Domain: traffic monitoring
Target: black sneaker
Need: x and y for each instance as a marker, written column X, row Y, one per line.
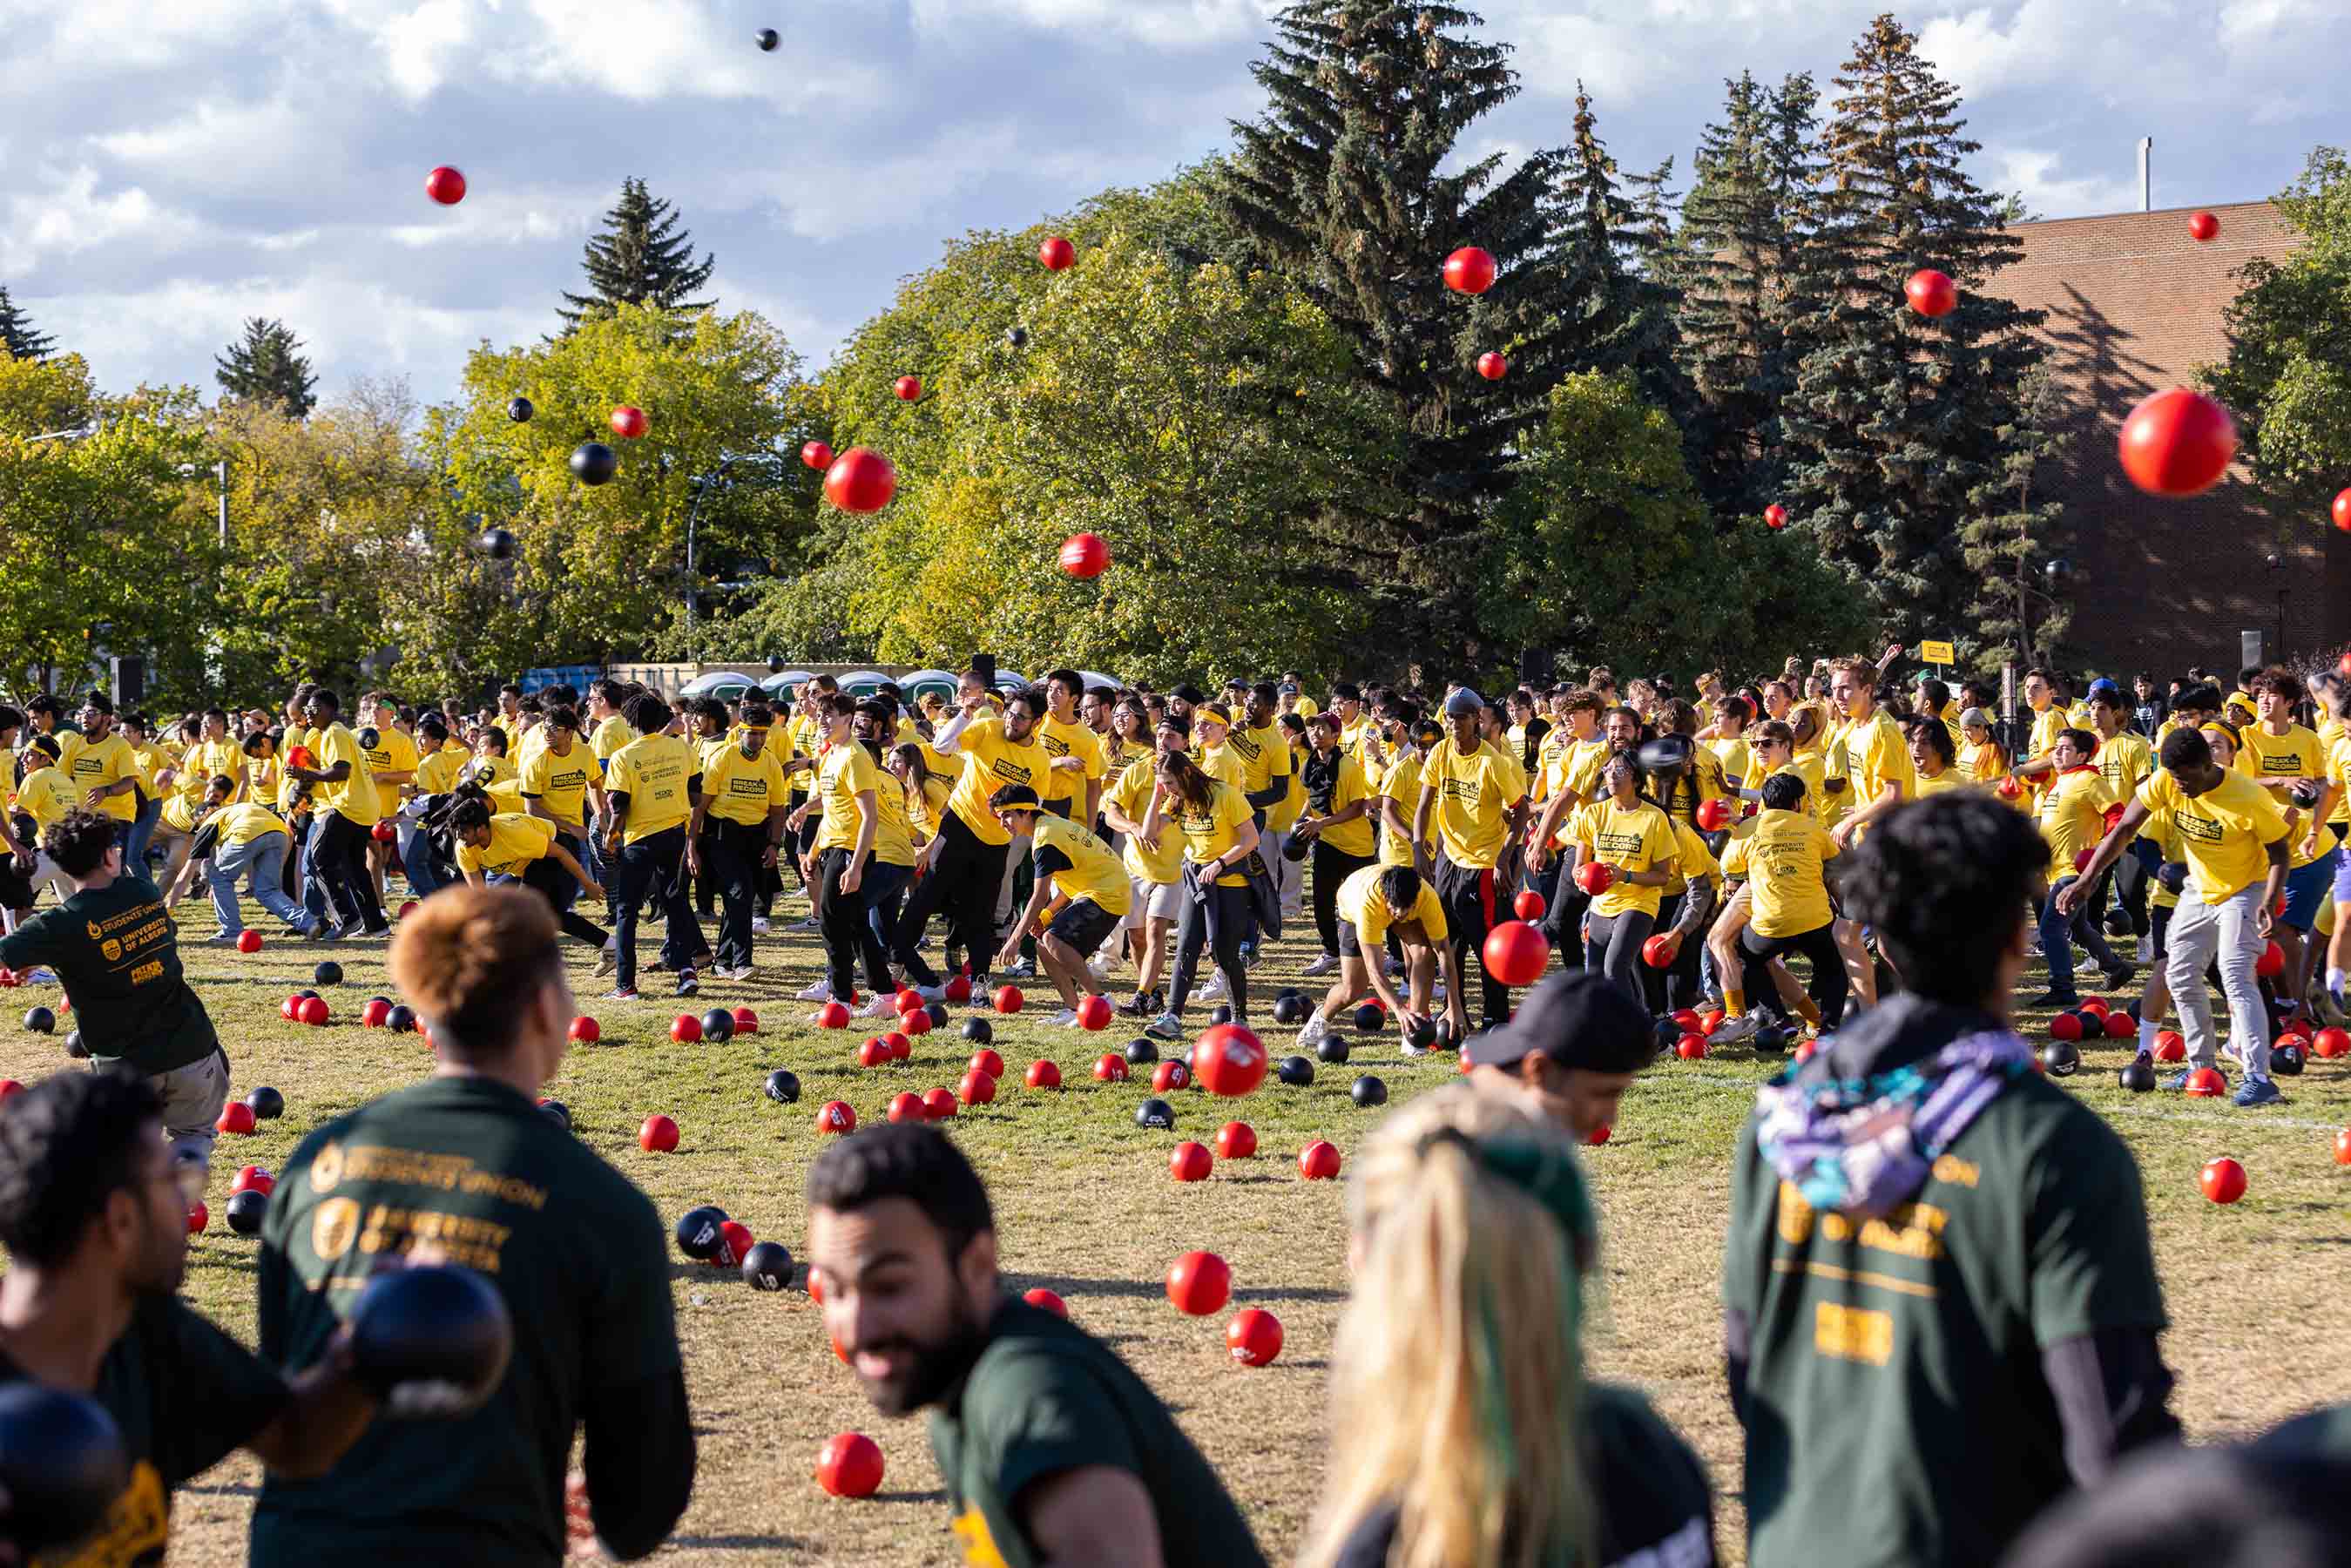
column 382, row 930
column 2052, row 1000
column 2120, row 979
column 687, row 982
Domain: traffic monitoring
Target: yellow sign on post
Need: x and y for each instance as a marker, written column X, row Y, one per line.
column 1937, row 652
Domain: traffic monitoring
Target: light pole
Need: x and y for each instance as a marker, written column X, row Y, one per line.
column 220, row 470
column 702, row 486
column 2277, row 566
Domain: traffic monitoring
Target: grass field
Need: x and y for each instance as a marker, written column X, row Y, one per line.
column 1086, row 1207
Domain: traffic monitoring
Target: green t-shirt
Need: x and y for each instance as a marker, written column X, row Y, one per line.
column 1897, row 1408
column 1046, row 1396
column 119, row 955
column 474, row 1169
column 185, row 1394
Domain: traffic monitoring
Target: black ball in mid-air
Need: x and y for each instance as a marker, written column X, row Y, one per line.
column 432, row 1339
column 783, row 1086
column 718, row 1024
column 697, row 1231
column 768, row 1266
column 498, row 544
column 979, row 1031
column 1156, row 1113
column 244, row 1211
column 1368, row 1092
column 41, row 1020
column 267, row 1103
column 2058, row 570
column 328, row 973
column 1141, row 1052
column 1016, row 337
column 2118, row 922
column 63, row 1463
column 1295, row 1071
column 519, row 409
column 2138, row 1077
column 1332, row 1048
column 593, row 463
column 768, row 38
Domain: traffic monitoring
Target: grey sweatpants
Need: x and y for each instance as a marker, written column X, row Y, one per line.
column 2228, row 934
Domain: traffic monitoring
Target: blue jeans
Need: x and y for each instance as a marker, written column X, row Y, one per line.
column 143, row 829
column 416, row 860
column 262, row 862
column 2058, row 933
column 314, row 887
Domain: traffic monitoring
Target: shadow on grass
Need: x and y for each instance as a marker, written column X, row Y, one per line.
column 1074, row 1288
column 225, row 1488
column 744, row 1543
column 934, row 1496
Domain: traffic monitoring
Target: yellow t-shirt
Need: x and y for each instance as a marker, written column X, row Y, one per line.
column 1948, row 780
column 560, row 783
column 1980, row 763
column 287, row 783
column 1070, row 739
column 1354, row 838
column 152, row 760
column 355, row 796
column 91, row 765
column 516, row 839
column 45, row 796
column 200, row 763
column 894, row 840
column 1211, row 831
column 2073, row 816
column 2162, row 829
column 438, row 774
column 1875, row 755
column 2296, row 754
column 1636, row 839
column 1402, row 784
column 1735, row 757
column 612, row 734
column 801, row 730
column 242, row 823
column 265, row 775
column 847, row 771
column 1223, row 764
column 1130, row 793
column 1360, row 905
column 1080, row 866
column 2330, row 736
column 989, row 762
column 2223, row 832
column 1475, row 791
column 393, row 752
column 1691, row 858
column 745, row 789
column 1265, row 756
column 653, row 771
column 1783, row 862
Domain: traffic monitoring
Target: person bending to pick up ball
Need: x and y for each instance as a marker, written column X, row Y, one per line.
column 1053, row 1450
column 1373, row 905
column 464, row 1167
column 1474, row 1232
column 1940, row 1306
column 2235, row 838
column 1089, row 879
column 95, row 1216
column 529, row 850
column 119, row 955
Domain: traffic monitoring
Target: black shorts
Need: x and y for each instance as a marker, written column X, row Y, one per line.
column 1350, row 945
column 1083, row 925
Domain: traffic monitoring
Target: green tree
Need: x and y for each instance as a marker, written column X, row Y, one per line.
column 267, row 366
column 2019, row 612
column 600, row 571
column 18, row 337
column 1349, row 185
column 643, row 258
column 2288, row 375
column 1604, row 553
column 1744, row 226
column 1892, row 419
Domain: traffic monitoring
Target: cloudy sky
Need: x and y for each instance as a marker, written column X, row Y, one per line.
column 170, row 167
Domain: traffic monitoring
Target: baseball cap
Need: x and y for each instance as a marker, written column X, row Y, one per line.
column 1974, row 717
column 1289, row 688
column 1578, row 1020
column 1463, row 702
column 2106, row 687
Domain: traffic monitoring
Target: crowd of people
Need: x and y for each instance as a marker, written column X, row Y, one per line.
column 1940, row 1308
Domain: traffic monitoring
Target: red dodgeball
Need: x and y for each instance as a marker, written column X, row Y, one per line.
column 254, row 1179
column 939, row 1104
column 1713, row 816
column 584, row 1030
column 1656, row 952
column 1057, row 254
column 914, row 1023
column 874, row 1052
column 850, row 1464
column 1199, row 1283
column 976, row 1088
column 198, row 1217
column 1254, row 1336
column 832, row 1015
column 235, row 1118
column 658, row 1136
column 907, row 1001
column 908, row 388
column 1111, row 1067
column 248, row 941
column 1598, row 1136
column 2272, row 963
column 900, row 1048
column 1931, row 293
column 1045, row 1300
column 1043, row 1075
column 2177, row 442
column 1230, row 1060
column 1775, row 517
column 2343, row 1147
column 1318, row 1161
column 1529, row 906
column 836, row 1117
column 1236, row 1140
column 861, row 480
column 1469, row 270
column 314, row 1010
column 2223, row 1180
column 908, row 1106
column 1169, row 1076
column 1007, row 999
column 629, row 421
column 2066, row 1025
column 2170, row 1047
column 816, row 454
column 1595, row 877
column 746, row 1021
column 2120, row 1026
column 2203, row 227
column 1084, row 555
column 1690, row 1047
column 1190, row 1162
column 958, row 989
column 1093, row 1014
column 2206, row 1083
column 984, row 1060
column 446, row 185
column 2341, row 512
column 686, row 1029
column 2331, row 1043
column 1515, row 952
column 734, row 1243
column 1492, row 366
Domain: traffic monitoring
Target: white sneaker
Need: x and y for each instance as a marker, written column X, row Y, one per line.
column 931, row 993
column 1730, row 1031
column 809, row 924
column 820, row 992
column 606, row 962
column 1328, row 963
column 740, row 972
column 877, row 1008
column 759, row 926
column 1066, row 1018
column 1215, row 991
column 1313, row 1034
column 2146, row 950
column 1099, row 970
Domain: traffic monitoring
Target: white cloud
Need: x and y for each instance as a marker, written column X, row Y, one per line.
column 1162, row 24
column 2032, row 174
column 70, row 216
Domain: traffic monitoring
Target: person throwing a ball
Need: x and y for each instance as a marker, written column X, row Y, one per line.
column 1052, row 1449
column 465, row 1168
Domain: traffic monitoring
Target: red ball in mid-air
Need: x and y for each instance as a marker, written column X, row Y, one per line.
column 1199, row 1283
column 1190, row 1162
column 1085, row 555
column 836, row 1117
column 1515, row 952
column 658, row 1136
column 1528, row 906
column 1469, row 270
column 584, row 1030
column 1229, row 1060
column 629, row 421
column 2223, row 1180
column 1057, row 254
column 1713, row 816
column 1254, row 1336
column 1775, row 517
column 1236, row 1140
column 861, row 480
column 2177, row 442
column 1009, row 999
column 1931, row 293
column 2341, row 512
column 248, row 941
column 446, row 185
column 1318, row 1161
column 850, row 1464
column 2203, row 227
column 816, row 454
column 1043, row 1075
column 1492, row 366
column 908, row 388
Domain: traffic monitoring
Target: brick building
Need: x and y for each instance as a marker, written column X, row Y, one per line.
column 2135, row 306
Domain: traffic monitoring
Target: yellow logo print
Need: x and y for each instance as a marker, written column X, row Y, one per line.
column 327, row 1168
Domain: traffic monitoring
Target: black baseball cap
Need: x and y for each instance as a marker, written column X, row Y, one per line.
column 1578, row 1020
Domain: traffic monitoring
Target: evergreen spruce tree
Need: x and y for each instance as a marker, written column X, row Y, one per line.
column 1741, row 266
column 2019, row 613
column 267, row 366
column 1892, row 423
column 641, row 258
column 1337, row 187
column 18, row 339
